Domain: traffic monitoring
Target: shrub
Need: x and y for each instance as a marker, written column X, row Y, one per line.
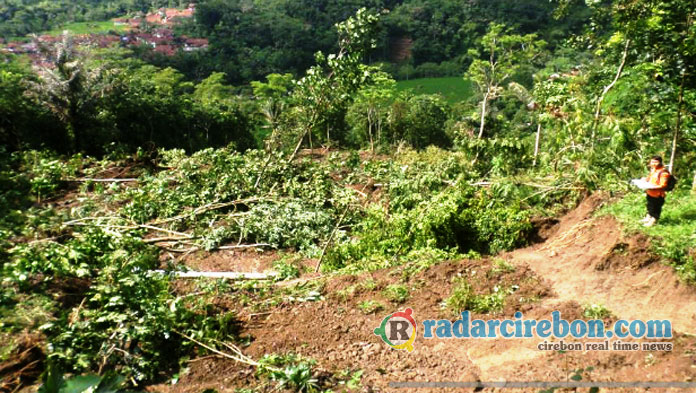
column 396, row 293
column 370, row 306
column 463, row 298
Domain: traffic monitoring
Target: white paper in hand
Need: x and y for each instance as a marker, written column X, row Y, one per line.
column 642, row 184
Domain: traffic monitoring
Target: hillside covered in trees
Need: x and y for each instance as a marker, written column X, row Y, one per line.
column 241, row 218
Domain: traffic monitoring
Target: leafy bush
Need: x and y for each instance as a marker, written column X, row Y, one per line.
column 425, row 122
column 596, row 311
column 128, row 317
column 463, row 298
column 290, row 371
column 458, row 218
column 285, row 270
column 396, row 293
column 370, row 306
column 288, row 225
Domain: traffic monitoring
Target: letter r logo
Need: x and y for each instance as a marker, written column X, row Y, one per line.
column 398, row 330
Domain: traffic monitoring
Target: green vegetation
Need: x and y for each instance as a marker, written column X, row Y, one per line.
column 93, row 27
column 463, row 297
column 55, row 382
column 596, row 311
column 501, row 266
column 22, row 17
column 674, row 238
column 289, row 371
column 454, row 89
column 112, row 169
column 370, row 306
column 396, row 293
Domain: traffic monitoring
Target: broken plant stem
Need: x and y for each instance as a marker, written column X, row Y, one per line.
column 240, row 357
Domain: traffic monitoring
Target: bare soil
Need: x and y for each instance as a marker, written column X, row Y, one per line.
column 579, row 260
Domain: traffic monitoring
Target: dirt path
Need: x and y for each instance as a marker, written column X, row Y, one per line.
column 588, row 260
column 585, row 260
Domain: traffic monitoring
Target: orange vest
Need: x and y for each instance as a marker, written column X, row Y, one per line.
column 658, row 177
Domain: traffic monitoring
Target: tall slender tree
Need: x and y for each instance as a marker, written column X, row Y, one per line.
column 69, row 88
column 501, row 57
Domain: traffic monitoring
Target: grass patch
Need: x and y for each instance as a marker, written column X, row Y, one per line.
column 453, row 89
column 596, row 311
column 501, row 266
column 89, row 28
column 370, row 306
column 464, row 298
column 674, row 238
column 396, row 293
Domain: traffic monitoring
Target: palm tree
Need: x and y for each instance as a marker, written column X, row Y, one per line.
column 68, row 87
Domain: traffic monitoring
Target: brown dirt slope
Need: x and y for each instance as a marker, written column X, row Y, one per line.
column 586, row 260
column 589, row 259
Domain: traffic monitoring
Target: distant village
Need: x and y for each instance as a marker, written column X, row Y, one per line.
column 156, row 30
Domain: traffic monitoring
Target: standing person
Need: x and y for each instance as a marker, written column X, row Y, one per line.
column 658, row 177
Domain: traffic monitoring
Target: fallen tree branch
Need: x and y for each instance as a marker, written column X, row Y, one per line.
column 205, row 208
column 79, row 220
column 228, row 275
column 104, row 180
column 154, row 228
column 184, row 250
column 166, row 239
column 192, row 249
column 243, row 246
column 143, row 226
column 238, row 355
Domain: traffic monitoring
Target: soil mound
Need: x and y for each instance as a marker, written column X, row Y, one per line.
column 581, row 260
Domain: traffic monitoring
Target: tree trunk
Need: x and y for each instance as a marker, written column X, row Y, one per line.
column 678, row 125
column 297, row 147
column 378, row 127
column 536, row 144
column 483, row 113
column 369, row 130
column 598, row 110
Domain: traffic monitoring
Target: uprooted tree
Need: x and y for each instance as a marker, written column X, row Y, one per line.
column 324, row 93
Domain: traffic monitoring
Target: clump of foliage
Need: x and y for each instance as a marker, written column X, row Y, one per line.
column 290, row 371
column 128, row 318
column 397, row 293
column 54, row 381
column 459, row 218
column 673, row 238
column 463, row 297
column 596, row 311
column 370, row 306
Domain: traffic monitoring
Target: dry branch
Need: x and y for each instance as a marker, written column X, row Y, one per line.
column 238, row 355
column 205, row 208
column 243, row 246
column 228, row 275
column 104, row 180
column 166, row 239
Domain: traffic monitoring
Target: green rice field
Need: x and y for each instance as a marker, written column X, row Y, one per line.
column 453, row 89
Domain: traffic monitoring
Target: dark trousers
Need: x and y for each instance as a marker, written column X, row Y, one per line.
column 655, row 206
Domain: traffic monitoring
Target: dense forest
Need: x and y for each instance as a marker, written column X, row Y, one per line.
column 288, row 140
column 250, row 40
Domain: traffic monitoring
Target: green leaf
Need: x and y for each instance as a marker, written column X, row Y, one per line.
column 81, row 383
column 53, row 380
